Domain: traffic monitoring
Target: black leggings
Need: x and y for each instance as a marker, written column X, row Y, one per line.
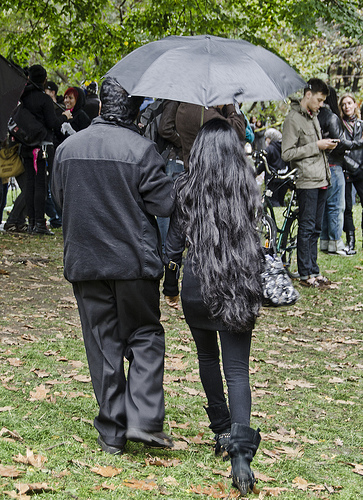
column 235, row 358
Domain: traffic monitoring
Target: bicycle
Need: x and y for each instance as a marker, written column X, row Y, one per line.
column 279, row 239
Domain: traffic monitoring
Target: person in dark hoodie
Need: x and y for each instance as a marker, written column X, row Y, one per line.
column 38, row 159
column 112, row 257
column 74, row 100
column 93, row 105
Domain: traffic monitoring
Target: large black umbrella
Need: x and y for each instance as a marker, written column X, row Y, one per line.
column 206, row 70
column 12, row 83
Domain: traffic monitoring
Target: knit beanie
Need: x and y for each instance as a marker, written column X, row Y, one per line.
column 37, row 74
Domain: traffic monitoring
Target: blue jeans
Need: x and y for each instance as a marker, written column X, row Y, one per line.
column 311, row 207
column 333, row 218
column 173, row 169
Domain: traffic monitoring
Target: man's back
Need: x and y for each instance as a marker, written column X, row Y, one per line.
column 111, row 182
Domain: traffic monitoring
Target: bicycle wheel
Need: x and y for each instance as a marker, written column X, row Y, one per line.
column 288, row 247
column 267, row 231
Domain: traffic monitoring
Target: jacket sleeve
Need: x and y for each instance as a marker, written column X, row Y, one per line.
column 174, row 248
column 291, row 148
column 236, row 120
column 336, row 131
column 155, row 187
column 57, row 181
column 167, row 128
column 50, row 118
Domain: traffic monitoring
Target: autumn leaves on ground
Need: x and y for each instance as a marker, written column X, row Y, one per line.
column 306, row 369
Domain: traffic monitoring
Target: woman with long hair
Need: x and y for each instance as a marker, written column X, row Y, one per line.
column 353, row 131
column 217, row 207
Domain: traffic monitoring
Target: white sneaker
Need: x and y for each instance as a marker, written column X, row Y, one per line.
column 345, row 252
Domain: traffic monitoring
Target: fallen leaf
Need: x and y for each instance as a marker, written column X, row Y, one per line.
column 263, row 477
column 13, row 434
column 336, row 380
column 15, row 362
column 9, row 471
column 82, row 378
column 273, row 492
column 32, row 487
column 39, row 393
column 6, row 408
column 171, row 481
column 358, row 468
column 162, row 462
column 30, row 459
column 180, row 445
column 300, row 483
column 77, row 438
column 41, row 373
column 140, row 485
column 106, row 471
column 291, row 384
column 290, row 452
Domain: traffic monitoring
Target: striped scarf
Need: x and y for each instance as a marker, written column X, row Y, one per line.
column 349, row 124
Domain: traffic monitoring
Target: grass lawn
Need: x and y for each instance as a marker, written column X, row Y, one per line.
column 306, row 378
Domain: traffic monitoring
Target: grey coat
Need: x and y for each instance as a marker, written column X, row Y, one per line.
column 110, row 183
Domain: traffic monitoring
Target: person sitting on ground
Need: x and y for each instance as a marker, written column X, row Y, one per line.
column 217, row 202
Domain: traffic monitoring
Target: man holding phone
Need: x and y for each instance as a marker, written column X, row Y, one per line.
column 304, row 147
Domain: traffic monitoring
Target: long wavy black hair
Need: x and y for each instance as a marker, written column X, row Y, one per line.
column 218, row 203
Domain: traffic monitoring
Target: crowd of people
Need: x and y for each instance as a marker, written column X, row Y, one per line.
column 34, row 211
column 129, row 211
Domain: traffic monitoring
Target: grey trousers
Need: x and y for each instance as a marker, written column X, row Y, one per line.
column 121, row 320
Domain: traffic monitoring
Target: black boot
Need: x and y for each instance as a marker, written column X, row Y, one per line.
column 40, row 227
column 350, row 243
column 242, row 448
column 220, row 423
column 31, row 226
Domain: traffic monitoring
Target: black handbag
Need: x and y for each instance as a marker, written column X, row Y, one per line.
column 349, row 165
column 278, row 289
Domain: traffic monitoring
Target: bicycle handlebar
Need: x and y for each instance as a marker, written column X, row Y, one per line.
column 261, row 156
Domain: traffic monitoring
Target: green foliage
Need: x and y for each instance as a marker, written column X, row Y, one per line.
column 82, row 39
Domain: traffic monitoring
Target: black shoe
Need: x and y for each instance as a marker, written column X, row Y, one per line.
column 10, row 228
column 153, row 439
column 41, row 228
column 113, row 450
column 15, row 228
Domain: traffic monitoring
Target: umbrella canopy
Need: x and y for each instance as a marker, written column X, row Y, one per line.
column 206, row 70
column 12, row 83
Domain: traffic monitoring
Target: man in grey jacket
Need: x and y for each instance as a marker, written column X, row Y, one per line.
column 303, row 146
column 111, row 183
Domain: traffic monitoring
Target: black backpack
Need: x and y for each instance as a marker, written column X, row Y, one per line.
column 149, row 121
column 25, row 128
